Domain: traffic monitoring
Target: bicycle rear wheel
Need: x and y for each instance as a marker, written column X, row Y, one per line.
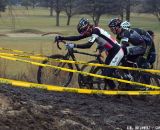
column 154, row 80
column 101, row 83
column 145, row 78
column 52, row 76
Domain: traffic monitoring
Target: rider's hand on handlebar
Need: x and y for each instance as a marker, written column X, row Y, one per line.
column 58, row 38
column 70, row 45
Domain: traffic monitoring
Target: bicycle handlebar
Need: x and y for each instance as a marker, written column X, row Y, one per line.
column 75, row 51
column 58, row 44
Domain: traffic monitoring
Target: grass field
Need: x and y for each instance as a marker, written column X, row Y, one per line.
column 38, row 20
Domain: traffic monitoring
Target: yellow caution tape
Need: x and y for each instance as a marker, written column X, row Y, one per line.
column 17, row 51
column 74, row 90
column 37, row 57
column 33, row 57
column 80, row 72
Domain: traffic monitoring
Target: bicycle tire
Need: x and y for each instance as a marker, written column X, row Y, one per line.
column 153, row 80
column 83, row 80
column 139, row 77
column 64, row 79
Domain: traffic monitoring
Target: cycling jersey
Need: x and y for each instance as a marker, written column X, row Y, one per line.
column 132, row 42
column 101, row 37
column 130, row 36
column 150, row 47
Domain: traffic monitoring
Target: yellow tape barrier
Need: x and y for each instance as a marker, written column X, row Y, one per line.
column 40, row 57
column 80, row 72
column 74, row 90
column 16, row 51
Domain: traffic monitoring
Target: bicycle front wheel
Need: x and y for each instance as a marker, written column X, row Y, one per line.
column 53, row 76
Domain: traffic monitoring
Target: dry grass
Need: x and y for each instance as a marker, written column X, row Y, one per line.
column 38, row 21
column 3, row 68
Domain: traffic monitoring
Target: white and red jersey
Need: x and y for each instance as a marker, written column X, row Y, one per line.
column 103, row 39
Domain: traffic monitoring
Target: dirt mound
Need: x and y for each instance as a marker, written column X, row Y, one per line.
column 42, row 110
column 29, row 31
column 3, row 35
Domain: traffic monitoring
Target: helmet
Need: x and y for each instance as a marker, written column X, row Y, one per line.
column 82, row 25
column 116, row 22
column 125, row 25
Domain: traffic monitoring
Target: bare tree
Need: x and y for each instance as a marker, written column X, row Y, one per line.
column 57, row 10
column 12, row 16
column 124, row 7
column 33, row 3
column 95, row 8
column 2, row 6
column 128, row 9
column 153, row 7
column 69, row 8
column 51, row 5
column 57, row 6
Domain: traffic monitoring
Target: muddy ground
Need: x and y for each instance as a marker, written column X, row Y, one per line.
column 34, row 109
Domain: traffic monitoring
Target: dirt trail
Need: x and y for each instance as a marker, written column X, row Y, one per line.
column 33, row 109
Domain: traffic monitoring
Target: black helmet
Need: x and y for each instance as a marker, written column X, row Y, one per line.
column 82, row 25
column 116, row 22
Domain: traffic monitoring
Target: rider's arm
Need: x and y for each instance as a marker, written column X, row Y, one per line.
column 73, row 38
column 124, row 42
column 89, row 43
column 85, row 45
column 124, row 38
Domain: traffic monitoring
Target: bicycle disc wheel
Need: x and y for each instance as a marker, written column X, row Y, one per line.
column 52, row 76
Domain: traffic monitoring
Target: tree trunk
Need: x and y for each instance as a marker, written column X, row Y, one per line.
column 13, row 23
column 33, row 4
column 51, row 11
column 57, row 18
column 68, row 20
column 51, row 8
column 96, row 21
column 122, row 14
column 158, row 16
column 57, row 12
column 128, row 10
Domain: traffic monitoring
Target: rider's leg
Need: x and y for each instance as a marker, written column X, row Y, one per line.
column 114, row 57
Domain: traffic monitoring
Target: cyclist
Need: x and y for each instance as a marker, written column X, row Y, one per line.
column 104, row 41
column 132, row 42
column 148, row 37
column 126, row 33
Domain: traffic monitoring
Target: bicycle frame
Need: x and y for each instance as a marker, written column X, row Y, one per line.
column 71, row 53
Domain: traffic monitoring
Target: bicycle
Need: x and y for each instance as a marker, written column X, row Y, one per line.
column 132, row 75
column 62, row 78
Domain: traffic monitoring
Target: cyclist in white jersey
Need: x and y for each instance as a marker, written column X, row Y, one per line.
column 104, row 41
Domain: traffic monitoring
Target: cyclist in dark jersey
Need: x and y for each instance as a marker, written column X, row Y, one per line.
column 148, row 37
column 103, row 40
column 149, row 56
column 132, row 43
